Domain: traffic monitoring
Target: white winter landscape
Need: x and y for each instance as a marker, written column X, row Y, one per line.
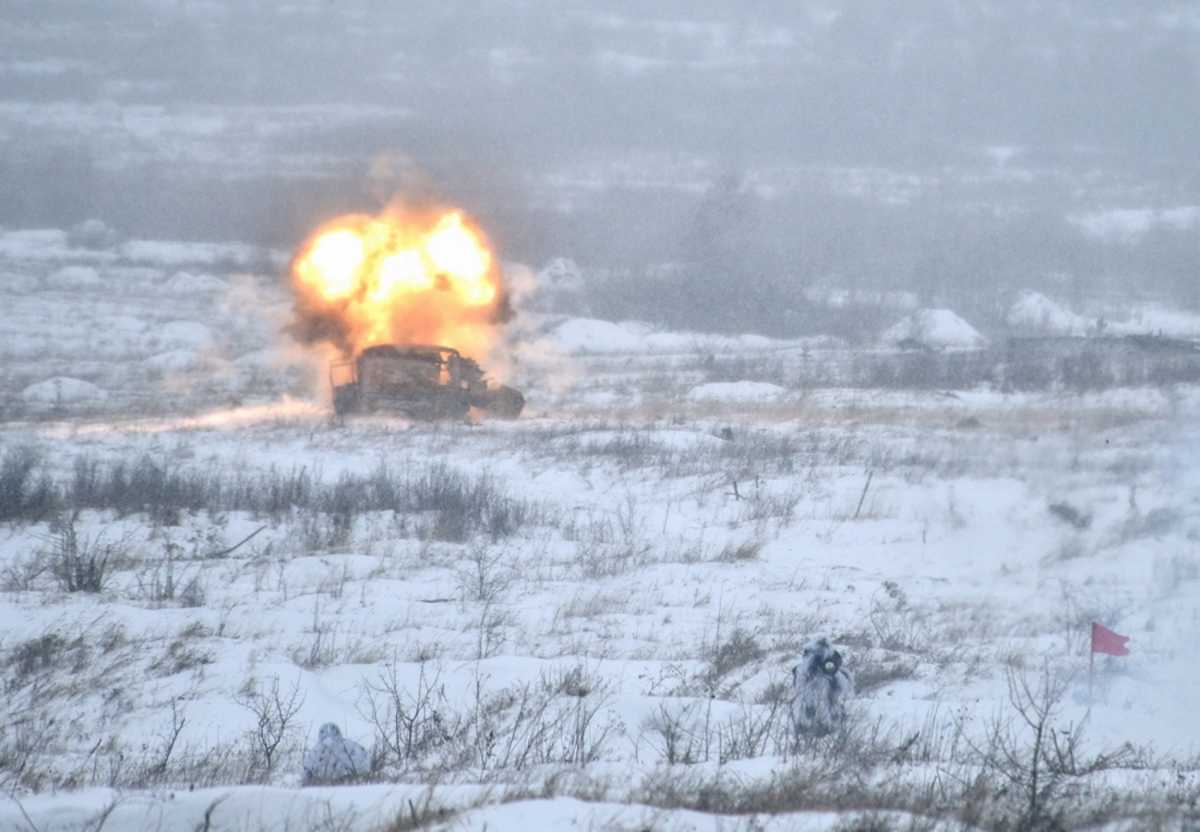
column 588, row 616
column 871, row 323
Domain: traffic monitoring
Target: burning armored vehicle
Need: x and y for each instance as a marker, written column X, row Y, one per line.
column 420, row 382
column 406, row 296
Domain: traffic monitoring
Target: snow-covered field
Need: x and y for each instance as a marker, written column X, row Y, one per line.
column 586, row 618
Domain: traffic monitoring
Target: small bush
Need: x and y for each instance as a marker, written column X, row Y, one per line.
column 875, row 675
column 458, row 505
column 23, row 494
column 78, row 564
column 36, row 654
column 739, row 650
column 45, row 652
column 737, row 552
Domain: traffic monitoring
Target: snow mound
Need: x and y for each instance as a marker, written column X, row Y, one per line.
column 186, row 283
column 92, row 234
column 181, row 335
column 935, row 328
column 71, row 278
column 43, row 244
column 17, row 284
column 178, row 253
column 62, row 390
column 175, row 361
column 737, row 391
column 1127, row 226
column 1033, row 311
column 588, row 335
column 1153, row 319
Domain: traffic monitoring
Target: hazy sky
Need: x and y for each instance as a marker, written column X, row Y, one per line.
column 595, row 129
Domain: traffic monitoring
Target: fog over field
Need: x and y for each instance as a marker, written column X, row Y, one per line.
column 870, row 322
column 960, row 150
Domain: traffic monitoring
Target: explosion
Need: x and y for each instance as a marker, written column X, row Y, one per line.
column 398, row 278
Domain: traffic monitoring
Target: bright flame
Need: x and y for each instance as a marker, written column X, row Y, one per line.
column 333, row 263
column 398, row 279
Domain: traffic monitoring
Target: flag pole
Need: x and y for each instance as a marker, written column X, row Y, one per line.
column 1091, row 665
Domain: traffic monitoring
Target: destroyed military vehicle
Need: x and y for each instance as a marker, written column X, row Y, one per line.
column 420, row 382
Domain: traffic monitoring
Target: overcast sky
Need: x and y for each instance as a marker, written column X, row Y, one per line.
column 596, row 129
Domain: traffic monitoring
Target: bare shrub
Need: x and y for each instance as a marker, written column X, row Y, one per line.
column 275, row 712
column 171, row 579
column 897, row 625
column 119, row 766
column 760, row 503
column 746, row 550
column 490, row 629
column 426, row 813
column 78, row 564
column 409, row 724
column 181, row 655
column 485, row 577
column 23, row 494
column 727, row 655
column 752, row 732
column 22, row 572
column 462, row 505
column 1071, row 515
column 740, row 367
column 588, row 695
column 1036, row 756
column 812, row 784
column 612, row 543
column 596, row 604
column 459, row 504
column 606, row 560
column 549, row 721
column 23, row 743
column 322, row 649
column 630, row 449
column 676, row 732
column 553, row 720
column 169, row 739
column 870, row 676
column 145, row 486
column 45, row 652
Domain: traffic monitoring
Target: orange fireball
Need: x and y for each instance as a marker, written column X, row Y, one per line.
column 399, row 279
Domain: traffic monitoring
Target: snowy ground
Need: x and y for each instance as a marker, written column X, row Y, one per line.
column 585, row 617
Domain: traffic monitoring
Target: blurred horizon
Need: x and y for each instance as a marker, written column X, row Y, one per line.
column 961, row 151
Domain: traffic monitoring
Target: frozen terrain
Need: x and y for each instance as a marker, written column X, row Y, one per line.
column 586, row 617
column 877, row 322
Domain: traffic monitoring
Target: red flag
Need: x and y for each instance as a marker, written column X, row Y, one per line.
column 1105, row 640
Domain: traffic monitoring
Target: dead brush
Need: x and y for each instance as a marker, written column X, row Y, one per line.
column 726, row 655
column 871, row 676
column 897, row 625
column 1039, row 759
column 275, row 711
column 746, row 550
column 79, row 564
column 44, row 652
column 23, row 494
column 181, row 655
column 675, row 731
